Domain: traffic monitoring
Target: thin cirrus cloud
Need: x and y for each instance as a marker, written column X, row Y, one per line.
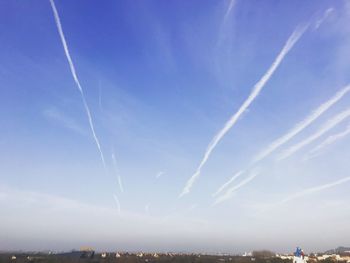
column 229, row 10
column 225, row 185
column 314, row 190
column 229, row 193
column 76, row 80
column 292, row 40
column 303, row 124
column 58, row 117
column 327, row 142
column 115, row 166
column 159, row 174
column 326, row 14
column 142, row 212
column 325, row 128
column 224, row 21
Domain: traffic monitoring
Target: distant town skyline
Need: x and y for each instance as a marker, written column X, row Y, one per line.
column 194, row 126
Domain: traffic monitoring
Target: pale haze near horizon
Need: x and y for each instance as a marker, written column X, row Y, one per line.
column 161, row 79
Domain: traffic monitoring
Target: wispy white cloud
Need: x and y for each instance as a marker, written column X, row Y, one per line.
column 117, row 202
column 326, row 14
column 115, row 166
column 120, row 184
column 159, row 174
column 331, row 139
column 229, row 193
column 225, row 185
column 75, row 77
column 226, row 16
column 295, row 36
column 326, row 127
column 302, row 125
column 59, row 117
column 229, row 10
column 308, row 120
column 314, row 190
column 222, row 49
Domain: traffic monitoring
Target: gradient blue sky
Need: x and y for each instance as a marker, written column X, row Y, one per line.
column 161, row 78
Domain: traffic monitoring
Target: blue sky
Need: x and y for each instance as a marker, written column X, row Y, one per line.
column 161, row 79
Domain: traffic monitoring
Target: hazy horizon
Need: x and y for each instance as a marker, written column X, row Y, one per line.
column 194, row 126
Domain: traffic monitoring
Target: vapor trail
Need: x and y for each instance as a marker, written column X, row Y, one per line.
column 233, row 178
column 326, row 14
column 302, row 125
column 159, row 174
column 309, row 119
column 117, row 203
column 75, row 77
column 116, row 170
column 231, row 190
column 120, row 184
column 229, row 9
column 222, row 34
column 314, row 189
column 295, row 36
column 329, row 125
column 331, row 139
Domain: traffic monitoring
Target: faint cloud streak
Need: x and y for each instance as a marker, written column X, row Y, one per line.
column 326, row 127
column 229, row 193
column 75, row 77
column 57, row 116
column 295, row 36
column 115, row 166
column 314, row 190
column 302, row 125
column 225, row 185
column 330, row 140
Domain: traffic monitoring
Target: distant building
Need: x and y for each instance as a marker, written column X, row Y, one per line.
column 286, row 257
column 333, row 256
